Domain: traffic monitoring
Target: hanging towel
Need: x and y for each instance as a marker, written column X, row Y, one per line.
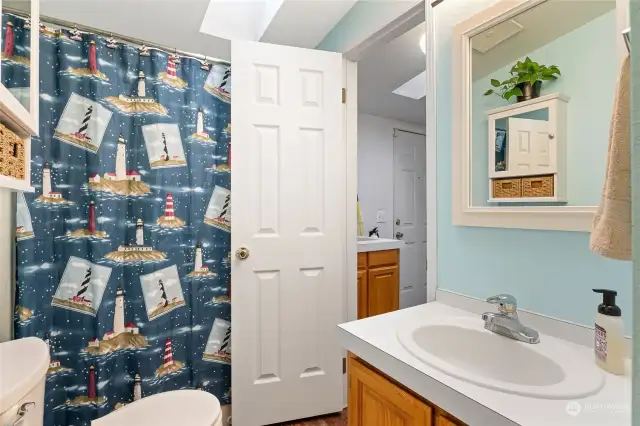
column 611, row 233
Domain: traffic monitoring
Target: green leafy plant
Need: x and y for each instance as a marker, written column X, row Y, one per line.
column 522, row 73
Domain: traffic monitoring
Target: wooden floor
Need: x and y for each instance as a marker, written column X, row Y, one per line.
column 339, row 419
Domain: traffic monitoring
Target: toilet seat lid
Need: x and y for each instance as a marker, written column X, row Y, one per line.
column 181, row 407
column 23, row 364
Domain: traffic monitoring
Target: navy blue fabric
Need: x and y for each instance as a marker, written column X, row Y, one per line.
column 46, row 258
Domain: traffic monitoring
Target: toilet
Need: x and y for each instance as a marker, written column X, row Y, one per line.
column 173, row 408
column 23, row 372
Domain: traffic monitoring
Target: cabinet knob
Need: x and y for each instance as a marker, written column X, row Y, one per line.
column 551, row 136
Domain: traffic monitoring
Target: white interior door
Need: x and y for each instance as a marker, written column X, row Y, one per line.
column 530, row 146
column 289, row 204
column 409, row 210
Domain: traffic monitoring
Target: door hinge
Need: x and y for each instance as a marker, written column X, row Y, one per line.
column 344, row 366
column 344, row 95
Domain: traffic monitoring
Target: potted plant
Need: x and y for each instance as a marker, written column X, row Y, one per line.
column 525, row 80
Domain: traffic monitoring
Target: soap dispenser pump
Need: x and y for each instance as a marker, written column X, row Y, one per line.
column 609, row 334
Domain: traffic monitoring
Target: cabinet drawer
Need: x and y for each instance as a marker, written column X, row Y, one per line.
column 537, row 186
column 382, row 258
column 507, row 188
column 362, row 260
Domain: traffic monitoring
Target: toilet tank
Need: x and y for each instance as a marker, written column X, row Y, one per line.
column 23, row 371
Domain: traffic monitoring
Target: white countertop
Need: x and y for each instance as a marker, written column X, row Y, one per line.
column 374, row 340
column 378, row 244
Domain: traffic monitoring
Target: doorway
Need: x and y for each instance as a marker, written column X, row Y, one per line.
column 391, row 147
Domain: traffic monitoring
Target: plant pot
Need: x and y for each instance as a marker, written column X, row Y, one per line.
column 529, row 91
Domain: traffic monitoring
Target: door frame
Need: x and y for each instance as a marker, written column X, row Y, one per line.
column 420, row 12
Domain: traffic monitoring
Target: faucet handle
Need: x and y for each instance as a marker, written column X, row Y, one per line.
column 507, row 304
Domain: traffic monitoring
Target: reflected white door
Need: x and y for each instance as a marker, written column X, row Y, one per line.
column 289, row 210
column 409, row 210
column 531, row 150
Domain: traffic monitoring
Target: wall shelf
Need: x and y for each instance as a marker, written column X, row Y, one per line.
column 15, row 184
column 534, row 145
column 21, row 120
column 527, row 200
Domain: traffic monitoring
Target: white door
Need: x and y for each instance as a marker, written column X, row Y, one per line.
column 530, row 147
column 409, row 210
column 289, row 211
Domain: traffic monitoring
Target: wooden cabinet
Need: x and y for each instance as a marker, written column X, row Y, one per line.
column 377, row 400
column 374, row 401
column 378, row 282
column 441, row 419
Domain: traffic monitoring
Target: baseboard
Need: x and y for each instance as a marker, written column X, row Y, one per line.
column 556, row 327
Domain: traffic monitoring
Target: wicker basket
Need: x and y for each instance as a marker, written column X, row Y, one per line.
column 11, row 154
column 507, row 188
column 537, row 186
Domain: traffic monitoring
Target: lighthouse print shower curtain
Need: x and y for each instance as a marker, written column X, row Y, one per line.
column 123, row 251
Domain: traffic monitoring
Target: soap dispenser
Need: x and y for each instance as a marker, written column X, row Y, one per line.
column 609, row 334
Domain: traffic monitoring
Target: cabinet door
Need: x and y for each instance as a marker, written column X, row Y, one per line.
column 383, row 291
column 362, row 294
column 375, row 401
column 443, row 421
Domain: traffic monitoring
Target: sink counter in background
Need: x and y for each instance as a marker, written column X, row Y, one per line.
column 366, row 244
column 375, row 341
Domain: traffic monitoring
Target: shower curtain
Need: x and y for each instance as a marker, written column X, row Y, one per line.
column 123, row 262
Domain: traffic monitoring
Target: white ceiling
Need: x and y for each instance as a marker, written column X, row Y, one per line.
column 385, row 69
column 541, row 25
column 305, row 23
column 299, row 23
column 207, row 26
column 170, row 23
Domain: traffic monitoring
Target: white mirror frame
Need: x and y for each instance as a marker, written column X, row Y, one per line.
column 556, row 218
column 23, row 121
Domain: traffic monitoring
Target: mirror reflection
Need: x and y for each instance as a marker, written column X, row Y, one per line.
column 15, row 60
column 542, row 90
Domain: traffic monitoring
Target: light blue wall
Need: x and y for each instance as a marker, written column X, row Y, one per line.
column 549, row 272
column 363, row 19
column 588, row 60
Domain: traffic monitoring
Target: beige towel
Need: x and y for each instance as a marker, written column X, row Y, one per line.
column 611, row 233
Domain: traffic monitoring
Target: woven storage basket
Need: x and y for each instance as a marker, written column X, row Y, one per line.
column 11, row 154
column 537, row 186
column 507, row 188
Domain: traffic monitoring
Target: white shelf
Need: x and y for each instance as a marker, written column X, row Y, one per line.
column 529, row 103
column 526, row 200
column 15, row 184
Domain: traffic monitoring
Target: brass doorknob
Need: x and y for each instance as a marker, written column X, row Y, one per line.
column 242, row 253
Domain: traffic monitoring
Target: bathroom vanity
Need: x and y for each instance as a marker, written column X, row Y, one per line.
column 436, row 365
column 378, row 276
column 374, row 395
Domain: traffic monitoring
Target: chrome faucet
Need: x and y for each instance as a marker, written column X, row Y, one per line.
column 505, row 322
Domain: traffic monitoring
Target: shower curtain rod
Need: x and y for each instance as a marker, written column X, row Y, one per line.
column 131, row 40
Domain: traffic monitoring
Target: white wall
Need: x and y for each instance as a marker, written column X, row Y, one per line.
column 7, row 248
column 375, row 169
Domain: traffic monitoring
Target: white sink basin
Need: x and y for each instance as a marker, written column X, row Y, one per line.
column 462, row 348
column 360, row 238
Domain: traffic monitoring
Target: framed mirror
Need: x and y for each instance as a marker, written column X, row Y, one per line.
column 534, row 87
column 19, row 64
